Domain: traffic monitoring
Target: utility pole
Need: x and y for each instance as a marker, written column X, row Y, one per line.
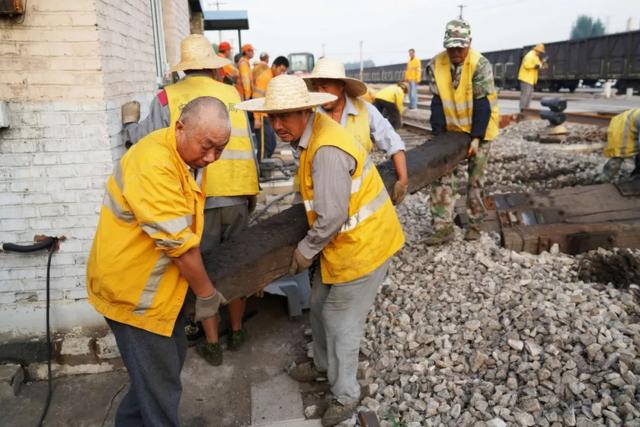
column 361, row 63
column 218, row 3
column 461, row 6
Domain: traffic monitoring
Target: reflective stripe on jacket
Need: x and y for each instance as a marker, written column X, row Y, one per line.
column 393, row 94
column 414, row 70
column 234, row 173
column 528, row 72
column 622, row 135
column 373, row 232
column 262, row 77
column 152, row 212
column 458, row 103
column 358, row 125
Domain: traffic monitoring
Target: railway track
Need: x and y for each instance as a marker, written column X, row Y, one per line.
column 586, row 118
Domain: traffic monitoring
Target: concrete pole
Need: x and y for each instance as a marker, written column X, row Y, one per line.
column 361, row 62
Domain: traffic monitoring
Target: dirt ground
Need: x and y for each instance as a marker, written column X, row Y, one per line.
column 250, row 388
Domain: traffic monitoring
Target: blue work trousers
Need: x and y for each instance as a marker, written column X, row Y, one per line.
column 413, row 95
column 154, row 363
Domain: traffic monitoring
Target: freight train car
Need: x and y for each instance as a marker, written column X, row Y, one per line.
column 608, row 57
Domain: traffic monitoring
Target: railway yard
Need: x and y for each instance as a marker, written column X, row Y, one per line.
column 465, row 334
column 192, row 206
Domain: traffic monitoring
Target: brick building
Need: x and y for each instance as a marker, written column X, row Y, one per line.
column 66, row 67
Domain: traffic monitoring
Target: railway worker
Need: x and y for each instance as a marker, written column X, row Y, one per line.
column 260, row 66
column 229, row 73
column 145, row 256
column 233, row 181
column 413, row 75
column 244, row 83
column 623, row 142
column 264, row 132
column 360, row 118
column 348, row 210
column 390, row 102
column 464, row 100
column 528, row 74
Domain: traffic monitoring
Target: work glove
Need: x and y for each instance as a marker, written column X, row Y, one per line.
column 473, row 147
column 399, row 191
column 130, row 112
column 207, row 307
column 299, row 263
column 252, row 203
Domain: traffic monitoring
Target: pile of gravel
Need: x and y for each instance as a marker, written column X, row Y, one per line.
column 474, row 334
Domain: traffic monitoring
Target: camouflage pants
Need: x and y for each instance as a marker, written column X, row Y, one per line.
column 444, row 191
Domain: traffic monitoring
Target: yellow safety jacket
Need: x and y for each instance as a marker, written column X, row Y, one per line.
column 528, row 72
column 393, row 94
column 228, row 70
column 413, row 72
column 152, row 212
column 244, row 83
column 234, row 173
column 262, row 77
column 358, row 125
column 372, row 233
column 258, row 69
column 369, row 97
column 458, row 103
column 622, row 135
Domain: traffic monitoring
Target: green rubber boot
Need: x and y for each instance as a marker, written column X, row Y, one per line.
column 441, row 236
column 211, row 352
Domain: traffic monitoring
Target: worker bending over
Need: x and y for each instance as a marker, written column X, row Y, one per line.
column 390, row 102
column 233, row 180
column 623, row 142
column 348, row 211
column 362, row 120
column 528, row 74
column 145, row 255
column 464, row 100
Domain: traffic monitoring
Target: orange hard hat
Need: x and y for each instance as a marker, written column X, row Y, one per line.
column 224, row 46
column 246, row 47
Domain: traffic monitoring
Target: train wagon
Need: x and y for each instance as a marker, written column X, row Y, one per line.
column 608, row 57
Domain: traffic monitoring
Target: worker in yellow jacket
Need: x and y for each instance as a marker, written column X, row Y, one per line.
column 353, row 229
column 233, row 181
column 145, row 255
column 390, row 102
column 528, row 74
column 244, row 82
column 413, row 76
column 360, row 118
column 229, row 73
column 623, row 142
column 266, row 138
column 464, row 100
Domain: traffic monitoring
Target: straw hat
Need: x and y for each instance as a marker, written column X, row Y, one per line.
column 539, row 48
column 286, row 93
column 196, row 53
column 329, row 68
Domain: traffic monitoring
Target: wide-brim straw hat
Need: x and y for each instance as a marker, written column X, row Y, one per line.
column 196, row 53
column 286, row 93
column 539, row 48
column 329, row 68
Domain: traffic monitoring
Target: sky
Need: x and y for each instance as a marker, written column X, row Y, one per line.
column 388, row 29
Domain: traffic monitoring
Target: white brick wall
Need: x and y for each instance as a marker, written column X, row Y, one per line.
column 52, row 175
column 65, row 72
